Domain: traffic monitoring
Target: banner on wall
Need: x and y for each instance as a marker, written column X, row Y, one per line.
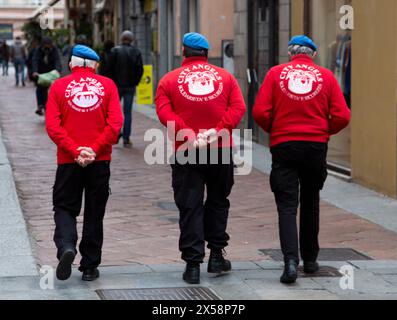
column 144, row 90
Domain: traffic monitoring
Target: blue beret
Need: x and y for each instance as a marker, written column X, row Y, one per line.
column 196, row 41
column 85, row 53
column 303, row 41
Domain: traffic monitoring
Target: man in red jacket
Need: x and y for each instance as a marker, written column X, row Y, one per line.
column 202, row 104
column 301, row 105
column 83, row 118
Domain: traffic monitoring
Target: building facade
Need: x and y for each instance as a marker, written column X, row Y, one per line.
column 364, row 60
column 248, row 37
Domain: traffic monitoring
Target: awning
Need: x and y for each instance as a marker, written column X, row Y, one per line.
column 43, row 8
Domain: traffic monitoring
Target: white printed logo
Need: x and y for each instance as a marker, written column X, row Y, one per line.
column 301, row 82
column 200, row 82
column 85, row 95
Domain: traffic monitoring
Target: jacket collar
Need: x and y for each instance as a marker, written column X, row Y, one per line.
column 304, row 57
column 191, row 60
column 82, row 69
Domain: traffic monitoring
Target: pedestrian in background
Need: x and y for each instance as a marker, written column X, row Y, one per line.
column 18, row 57
column 45, row 59
column 4, row 57
column 204, row 102
column 83, row 118
column 126, row 69
column 104, row 67
column 301, row 105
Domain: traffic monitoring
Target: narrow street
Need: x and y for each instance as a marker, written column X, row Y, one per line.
column 138, row 229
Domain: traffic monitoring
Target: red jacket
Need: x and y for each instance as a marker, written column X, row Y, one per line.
column 199, row 96
column 300, row 101
column 83, row 110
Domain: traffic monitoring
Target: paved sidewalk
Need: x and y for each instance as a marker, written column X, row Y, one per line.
column 137, row 230
column 250, row 280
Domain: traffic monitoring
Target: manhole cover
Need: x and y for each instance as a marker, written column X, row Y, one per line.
column 326, row 254
column 324, row 272
column 195, row 293
column 167, row 206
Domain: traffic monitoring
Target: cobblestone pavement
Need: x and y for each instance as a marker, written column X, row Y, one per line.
column 137, row 230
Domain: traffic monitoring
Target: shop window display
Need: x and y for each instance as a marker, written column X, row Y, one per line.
column 335, row 53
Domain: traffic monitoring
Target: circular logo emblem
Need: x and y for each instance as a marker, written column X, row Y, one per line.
column 85, row 95
column 200, row 83
column 301, row 82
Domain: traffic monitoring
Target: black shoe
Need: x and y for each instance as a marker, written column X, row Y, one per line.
column 217, row 263
column 64, row 268
column 310, row 266
column 39, row 111
column 290, row 272
column 90, row 274
column 127, row 144
column 192, row 273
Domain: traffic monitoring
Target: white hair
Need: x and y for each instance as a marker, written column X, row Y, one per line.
column 80, row 62
column 297, row 49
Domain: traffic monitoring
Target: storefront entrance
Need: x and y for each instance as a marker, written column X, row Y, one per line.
column 334, row 54
column 262, row 52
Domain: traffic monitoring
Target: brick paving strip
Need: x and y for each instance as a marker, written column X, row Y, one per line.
column 137, row 230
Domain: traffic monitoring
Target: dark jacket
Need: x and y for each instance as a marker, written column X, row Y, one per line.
column 126, row 66
column 4, row 52
column 46, row 61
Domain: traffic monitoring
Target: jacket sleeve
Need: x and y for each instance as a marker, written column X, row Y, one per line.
column 236, row 108
column 114, row 122
column 165, row 110
column 263, row 108
column 58, row 65
column 339, row 113
column 53, row 120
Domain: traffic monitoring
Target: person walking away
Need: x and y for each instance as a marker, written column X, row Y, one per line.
column 45, row 59
column 18, row 57
column 83, row 118
column 126, row 69
column 204, row 103
column 4, row 57
column 301, row 105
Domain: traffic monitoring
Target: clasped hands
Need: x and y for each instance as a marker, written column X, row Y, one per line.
column 86, row 156
column 205, row 138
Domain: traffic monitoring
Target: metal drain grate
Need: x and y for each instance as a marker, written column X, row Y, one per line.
column 195, row 293
column 324, row 272
column 326, row 254
column 167, row 206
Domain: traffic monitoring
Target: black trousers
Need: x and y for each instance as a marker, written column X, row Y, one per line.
column 70, row 184
column 299, row 171
column 201, row 220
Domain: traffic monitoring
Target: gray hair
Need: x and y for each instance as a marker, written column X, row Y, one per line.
column 127, row 36
column 80, row 62
column 297, row 49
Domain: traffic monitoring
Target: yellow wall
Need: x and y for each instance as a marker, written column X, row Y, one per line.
column 374, row 95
